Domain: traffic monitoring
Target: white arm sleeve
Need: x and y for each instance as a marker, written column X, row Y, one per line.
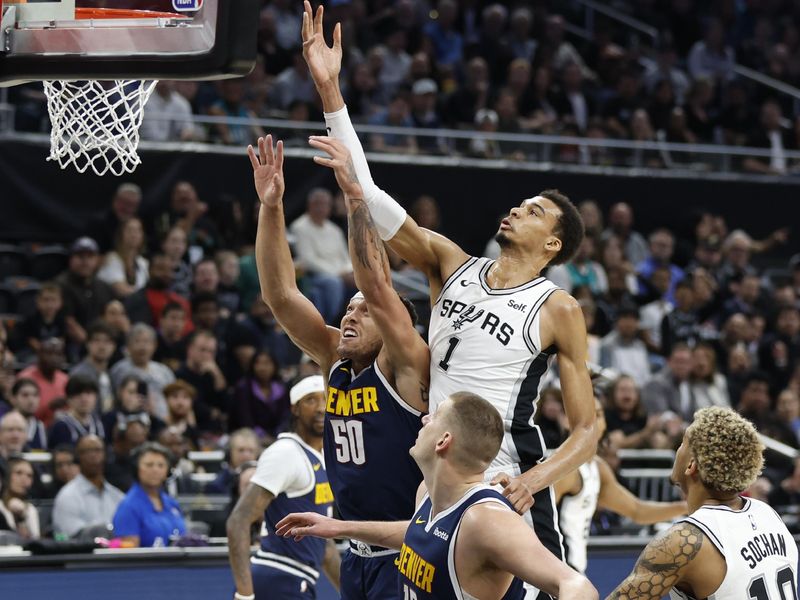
column 388, row 215
column 283, row 468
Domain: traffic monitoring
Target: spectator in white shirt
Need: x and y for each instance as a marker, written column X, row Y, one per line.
column 168, row 116
column 321, row 250
column 88, row 499
column 125, row 269
column 622, row 350
column 710, row 57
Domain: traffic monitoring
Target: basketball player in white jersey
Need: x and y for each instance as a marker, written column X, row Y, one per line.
column 465, row 542
column 495, row 325
column 593, row 485
column 729, row 547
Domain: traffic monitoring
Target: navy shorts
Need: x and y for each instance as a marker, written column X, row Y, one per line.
column 273, row 584
column 368, row 578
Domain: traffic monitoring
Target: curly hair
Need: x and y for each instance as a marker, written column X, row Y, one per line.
column 727, row 449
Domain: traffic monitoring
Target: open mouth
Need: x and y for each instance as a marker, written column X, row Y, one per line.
column 505, row 224
column 349, row 332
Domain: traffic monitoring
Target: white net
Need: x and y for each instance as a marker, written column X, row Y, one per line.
column 96, row 123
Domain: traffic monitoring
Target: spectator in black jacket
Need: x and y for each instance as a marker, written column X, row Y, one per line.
column 80, row 419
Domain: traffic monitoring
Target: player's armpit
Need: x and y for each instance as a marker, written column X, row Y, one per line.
column 430, row 252
column 663, row 564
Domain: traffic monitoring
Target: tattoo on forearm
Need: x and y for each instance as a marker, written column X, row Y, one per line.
column 659, row 567
column 351, row 171
column 364, row 238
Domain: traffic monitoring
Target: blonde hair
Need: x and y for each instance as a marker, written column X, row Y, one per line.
column 727, row 449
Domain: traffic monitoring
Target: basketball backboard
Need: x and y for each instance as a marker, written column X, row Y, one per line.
column 126, row 39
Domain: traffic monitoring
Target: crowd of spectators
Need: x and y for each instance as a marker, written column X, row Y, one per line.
column 513, row 67
column 155, row 341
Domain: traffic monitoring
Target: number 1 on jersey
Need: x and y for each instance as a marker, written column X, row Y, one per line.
column 408, row 594
column 444, row 364
column 784, row 581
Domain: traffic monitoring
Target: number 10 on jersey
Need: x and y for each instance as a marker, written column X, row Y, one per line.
column 349, row 439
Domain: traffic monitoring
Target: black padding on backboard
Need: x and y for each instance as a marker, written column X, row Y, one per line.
column 233, row 55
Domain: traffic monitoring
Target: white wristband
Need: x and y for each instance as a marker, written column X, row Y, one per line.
column 238, row 596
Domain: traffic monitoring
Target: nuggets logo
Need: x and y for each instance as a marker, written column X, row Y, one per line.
column 352, row 402
column 323, row 494
column 415, row 568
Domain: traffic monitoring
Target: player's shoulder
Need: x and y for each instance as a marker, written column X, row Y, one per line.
column 561, row 303
column 674, row 549
column 485, row 516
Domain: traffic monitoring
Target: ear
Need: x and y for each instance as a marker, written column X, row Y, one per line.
column 553, row 244
column 692, row 469
column 444, row 442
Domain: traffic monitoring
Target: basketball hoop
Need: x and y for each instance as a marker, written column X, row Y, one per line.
column 95, row 124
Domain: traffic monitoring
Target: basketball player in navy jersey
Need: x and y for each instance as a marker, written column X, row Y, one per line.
column 593, row 485
column 495, row 325
column 290, row 476
column 730, row 546
column 465, row 540
column 376, row 366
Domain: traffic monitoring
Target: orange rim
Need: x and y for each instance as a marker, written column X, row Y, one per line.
column 121, row 13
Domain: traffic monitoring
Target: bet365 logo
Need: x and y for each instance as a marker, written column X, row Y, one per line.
column 187, row 5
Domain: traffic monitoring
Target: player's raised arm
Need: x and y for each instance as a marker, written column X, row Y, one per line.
column 406, row 351
column 295, row 313
column 510, row 545
column 617, row 498
column 665, row 562
column 388, row 534
column 431, row 253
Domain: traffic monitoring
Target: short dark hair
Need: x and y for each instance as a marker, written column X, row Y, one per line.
column 412, row 311
column 171, row 307
column 481, row 424
column 569, row 228
column 21, row 383
column 78, row 384
column 99, row 327
column 202, row 298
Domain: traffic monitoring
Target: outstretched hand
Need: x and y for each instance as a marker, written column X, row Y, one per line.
column 323, row 62
column 300, row 525
column 341, row 163
column 268, row 171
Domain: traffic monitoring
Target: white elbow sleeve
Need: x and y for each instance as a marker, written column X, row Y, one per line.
column 340, row 127
column 388, row 215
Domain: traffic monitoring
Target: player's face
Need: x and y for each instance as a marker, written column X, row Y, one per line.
column 530, row 225
column 360, row 338
column 433, row 426
column 682, row 458
column 310, row 412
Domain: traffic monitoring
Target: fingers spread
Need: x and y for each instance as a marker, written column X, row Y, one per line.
column 253, row 158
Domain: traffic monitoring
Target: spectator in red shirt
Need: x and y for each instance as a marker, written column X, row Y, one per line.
column 147, row 305
column 47, row 374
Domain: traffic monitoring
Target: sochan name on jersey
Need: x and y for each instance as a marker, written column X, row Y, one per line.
column 762, row 546
column 490, row 322
column 441, row 534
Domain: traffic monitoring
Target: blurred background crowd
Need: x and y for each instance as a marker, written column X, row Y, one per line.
column 511, row 68
column 145, row 340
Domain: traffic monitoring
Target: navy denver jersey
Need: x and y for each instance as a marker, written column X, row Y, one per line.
column 427, row 557
column 368, row 432
column 317, row 498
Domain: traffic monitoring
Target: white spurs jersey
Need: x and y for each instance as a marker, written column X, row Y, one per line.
column 575, row 515
column 759, row 551
column 486, row 341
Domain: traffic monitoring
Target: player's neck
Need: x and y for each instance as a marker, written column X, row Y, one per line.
column 514, row 268
column 446, row 487
column 311, row 439
column 699, row 496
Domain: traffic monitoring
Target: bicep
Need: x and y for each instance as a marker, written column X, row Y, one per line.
column 252, row 504
column 662, row 564
column 613, row 495
column 428, row 251
column 304, row 324
column 512, row 546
